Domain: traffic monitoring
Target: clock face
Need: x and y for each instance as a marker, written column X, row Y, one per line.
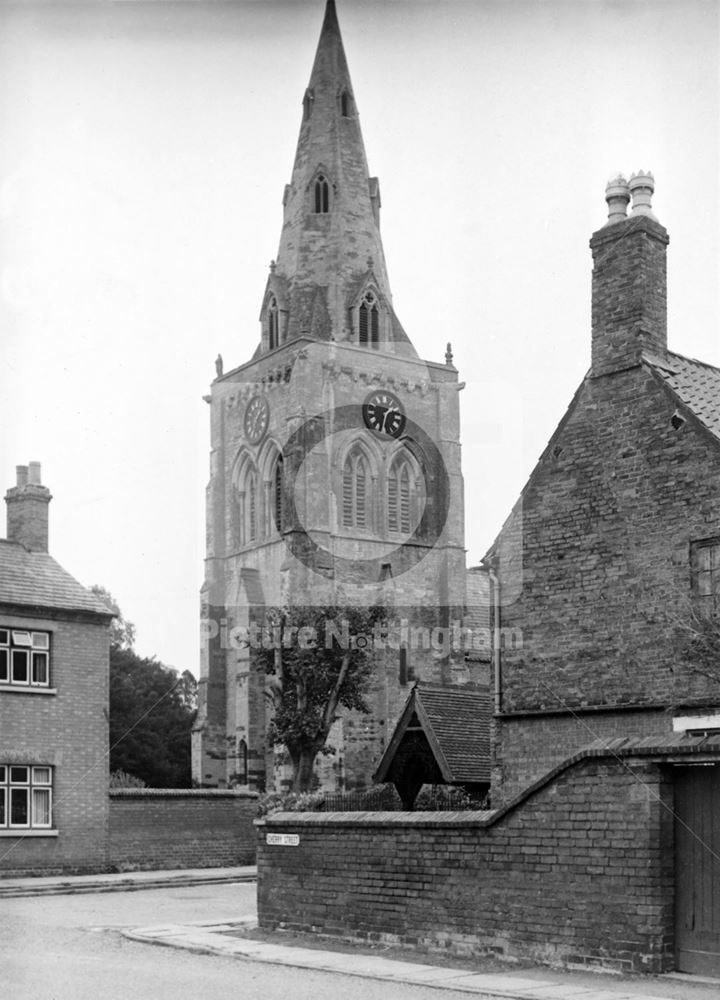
column 384, row 413
column 257, row 417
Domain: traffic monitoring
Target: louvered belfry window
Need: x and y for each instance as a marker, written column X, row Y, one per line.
column 360, row 493
column 393, row 520
column 355, row 482
column 273, row 324
column 347, row 495
column 405, row 500
column 369, row 321
column 252, row 508
column 401, row 495
column 278, row 494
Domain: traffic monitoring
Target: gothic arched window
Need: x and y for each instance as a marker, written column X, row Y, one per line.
column 322, row 195
column 346, row 104
column 247, row 516
column 369, row 321
column 252, row 508
column 273, row 324
column 355, row 491
column 404, row 496
column 277, row 494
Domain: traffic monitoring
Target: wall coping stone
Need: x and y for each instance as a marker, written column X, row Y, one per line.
column 182, row 793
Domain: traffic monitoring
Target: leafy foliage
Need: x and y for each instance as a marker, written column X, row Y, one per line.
column 316, row 661
column 273, row 802
column 432, row 798
column 120, row 779
column 122, row 632
column 151, row 715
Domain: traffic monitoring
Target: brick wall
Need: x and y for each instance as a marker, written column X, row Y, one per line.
column 629, row 292
column 66, row 729
column 168, row 828
column 578, row 872
column 528, row 747
column 595, row 563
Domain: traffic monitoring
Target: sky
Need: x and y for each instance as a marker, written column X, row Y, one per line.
column 144, row 148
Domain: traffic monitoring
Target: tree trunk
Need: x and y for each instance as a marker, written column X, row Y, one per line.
column 302, row 779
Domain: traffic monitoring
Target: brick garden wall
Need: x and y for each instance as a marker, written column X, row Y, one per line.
column 579, row 872
column 168, row 828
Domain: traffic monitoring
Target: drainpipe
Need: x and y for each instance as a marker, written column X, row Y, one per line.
column 497, row 666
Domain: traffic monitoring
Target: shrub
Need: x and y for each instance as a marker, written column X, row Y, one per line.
column 120, row 779
column 273, row 802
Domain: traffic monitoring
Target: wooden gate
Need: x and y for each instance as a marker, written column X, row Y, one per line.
column 697, row 870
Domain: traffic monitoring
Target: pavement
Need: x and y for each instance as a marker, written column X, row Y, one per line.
column 226, row 939
column 59, row 885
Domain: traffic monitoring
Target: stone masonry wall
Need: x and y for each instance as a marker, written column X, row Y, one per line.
column 243, row 578
column 580, row 872
column 167, row 828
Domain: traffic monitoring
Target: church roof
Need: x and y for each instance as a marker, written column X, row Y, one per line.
column 696, row 385
column 35, row 580
column 331, row 242
column 456, row 723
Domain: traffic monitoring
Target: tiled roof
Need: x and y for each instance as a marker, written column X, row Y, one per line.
column 697, row 385
column 36, row 580
column 456, row 722
column 460, row 721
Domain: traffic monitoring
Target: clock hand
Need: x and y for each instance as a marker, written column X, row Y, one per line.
column 391, row 410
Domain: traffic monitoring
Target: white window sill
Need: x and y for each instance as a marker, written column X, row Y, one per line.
column 19, row 689
column 19, row 831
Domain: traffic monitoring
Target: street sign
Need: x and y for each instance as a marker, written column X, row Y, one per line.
column 282, row 839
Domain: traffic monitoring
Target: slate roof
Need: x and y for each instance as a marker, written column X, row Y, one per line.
column 696, row 385
column 456, row 722
column 36, row 580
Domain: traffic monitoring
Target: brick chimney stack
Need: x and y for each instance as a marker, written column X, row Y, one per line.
column 629, row 283
column 27, row 509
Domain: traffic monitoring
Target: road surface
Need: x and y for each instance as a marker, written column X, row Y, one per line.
column 71, row 948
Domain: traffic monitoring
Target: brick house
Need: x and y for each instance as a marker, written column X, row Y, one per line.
column 615, row 540
column 54, row 643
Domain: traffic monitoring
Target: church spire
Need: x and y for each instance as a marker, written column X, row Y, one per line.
column 330, row 281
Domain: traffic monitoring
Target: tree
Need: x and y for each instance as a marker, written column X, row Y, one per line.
column 151, row 716
column 152, row 710
column 698, row 637
column 122, row 632
column 316, row 660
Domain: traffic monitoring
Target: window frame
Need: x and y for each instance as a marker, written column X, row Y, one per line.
column 368, row 319
column 708, row 603
column 277, row 498
column 35, row 650
column 357, row 491
column 321, row 194
column 405, row 494
column 273, row 323
column 34, row 787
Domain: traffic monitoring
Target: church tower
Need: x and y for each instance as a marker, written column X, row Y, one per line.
column 335, row 473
